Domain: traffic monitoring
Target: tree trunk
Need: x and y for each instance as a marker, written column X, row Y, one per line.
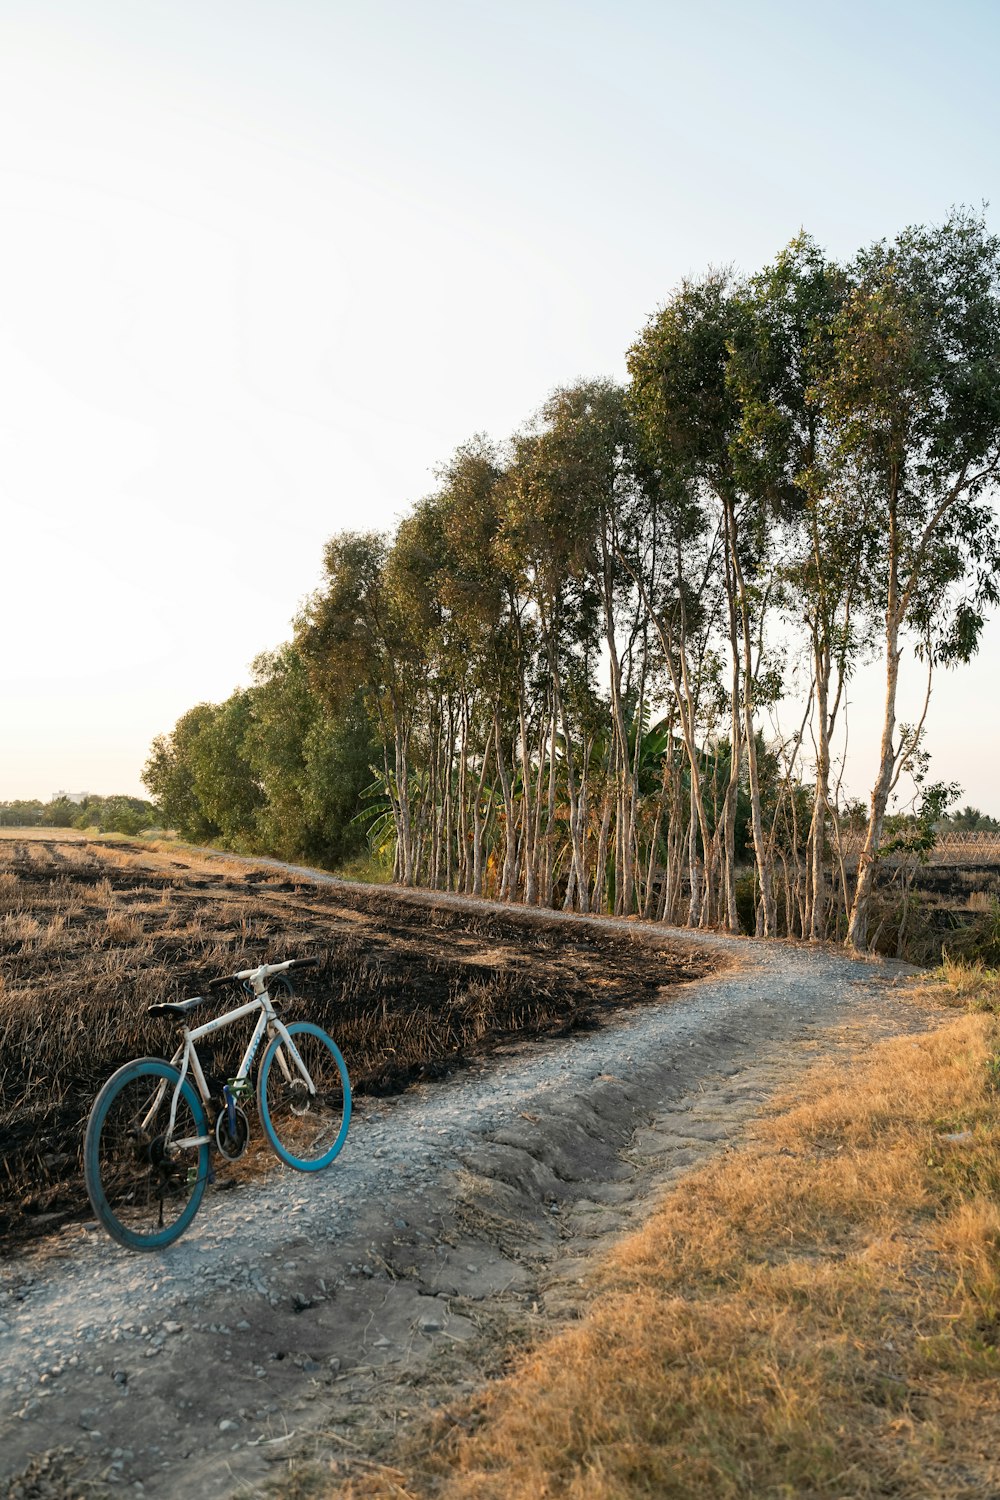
column 767, row 915
column 477, row 822
column 508, row 877
column 857, row 928
column 818, row 899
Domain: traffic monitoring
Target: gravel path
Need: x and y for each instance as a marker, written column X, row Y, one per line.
column 457, row 1213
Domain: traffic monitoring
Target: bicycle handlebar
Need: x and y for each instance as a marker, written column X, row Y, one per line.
column 263, row 972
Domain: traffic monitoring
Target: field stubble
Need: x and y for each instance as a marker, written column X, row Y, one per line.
column 91, row 934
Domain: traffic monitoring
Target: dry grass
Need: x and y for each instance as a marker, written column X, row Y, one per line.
column 816, row 1314
column 27, row 835
column 968, row 982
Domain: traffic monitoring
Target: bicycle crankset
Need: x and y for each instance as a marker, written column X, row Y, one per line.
column 232, row 1132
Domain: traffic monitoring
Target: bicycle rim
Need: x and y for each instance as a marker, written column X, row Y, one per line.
column 144, row 1194
column 306, row 1126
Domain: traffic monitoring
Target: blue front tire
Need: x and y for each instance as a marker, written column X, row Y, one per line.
column 304, row 1114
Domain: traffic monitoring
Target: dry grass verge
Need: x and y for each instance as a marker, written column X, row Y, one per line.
column 969, row 983
column 815, row 1314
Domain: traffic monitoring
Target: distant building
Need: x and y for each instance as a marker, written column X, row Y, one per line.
column 77, row 797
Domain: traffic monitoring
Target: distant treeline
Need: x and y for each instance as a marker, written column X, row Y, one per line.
column 129, row 815
column 560, row 677
column 969, row 820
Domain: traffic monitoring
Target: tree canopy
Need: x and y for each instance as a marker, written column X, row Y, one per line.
column 605, row 664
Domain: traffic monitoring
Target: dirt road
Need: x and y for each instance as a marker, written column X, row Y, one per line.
column 320, row 1313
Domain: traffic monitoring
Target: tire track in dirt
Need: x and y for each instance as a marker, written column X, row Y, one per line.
column 302, row 1316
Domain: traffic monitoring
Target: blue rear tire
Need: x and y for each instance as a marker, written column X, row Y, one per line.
column 144, row 1196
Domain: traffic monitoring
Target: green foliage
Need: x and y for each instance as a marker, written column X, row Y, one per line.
column 284, row 711
column 686, row 408
column 914, row 833
column 558, row 667
column 171, row 775
column 969, row 820
column 913, row 391
column 746, row 902
column 61, row 812
column 269, row 771
column 127, row 815
column 352, row 634
column 310, row 763
column 228, row 793
column 337, row 765
column 119, row 814
column 22, row 814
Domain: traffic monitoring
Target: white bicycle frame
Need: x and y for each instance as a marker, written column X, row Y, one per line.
column 187, row 1053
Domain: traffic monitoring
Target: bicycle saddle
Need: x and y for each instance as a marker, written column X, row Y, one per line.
column 174, row 1007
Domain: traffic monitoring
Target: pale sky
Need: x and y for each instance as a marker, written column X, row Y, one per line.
column 264, row 265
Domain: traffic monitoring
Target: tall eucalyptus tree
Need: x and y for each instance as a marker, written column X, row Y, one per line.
column 546, row 542
column 443, row 570
column 913, row 392
column 580, row 498
column 781, row 360
column 689, row 411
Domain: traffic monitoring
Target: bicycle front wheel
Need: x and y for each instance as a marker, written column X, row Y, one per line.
column 144, row 1189
column 304, row 1097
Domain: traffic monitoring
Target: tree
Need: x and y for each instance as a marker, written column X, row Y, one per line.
column 227, row 791
column 578, row 498
column 60, row 812
column 309, row 764
column 913, row 392
column 171, row 775
column 781, row 359
column 284, row 709
column 355, row 637
column 338, row 755
column 21, row 814
column 127, row 815
column 447, row 572
column 561, row 665
column 688, row 407
column 970, row 820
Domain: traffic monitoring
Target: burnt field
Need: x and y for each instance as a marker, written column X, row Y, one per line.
column 92, row 934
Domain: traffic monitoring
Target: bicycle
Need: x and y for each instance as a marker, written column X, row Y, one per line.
column 148, row 1139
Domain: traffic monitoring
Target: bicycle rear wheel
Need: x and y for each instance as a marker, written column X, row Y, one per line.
column 304, row 1097
column 143, row 1194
